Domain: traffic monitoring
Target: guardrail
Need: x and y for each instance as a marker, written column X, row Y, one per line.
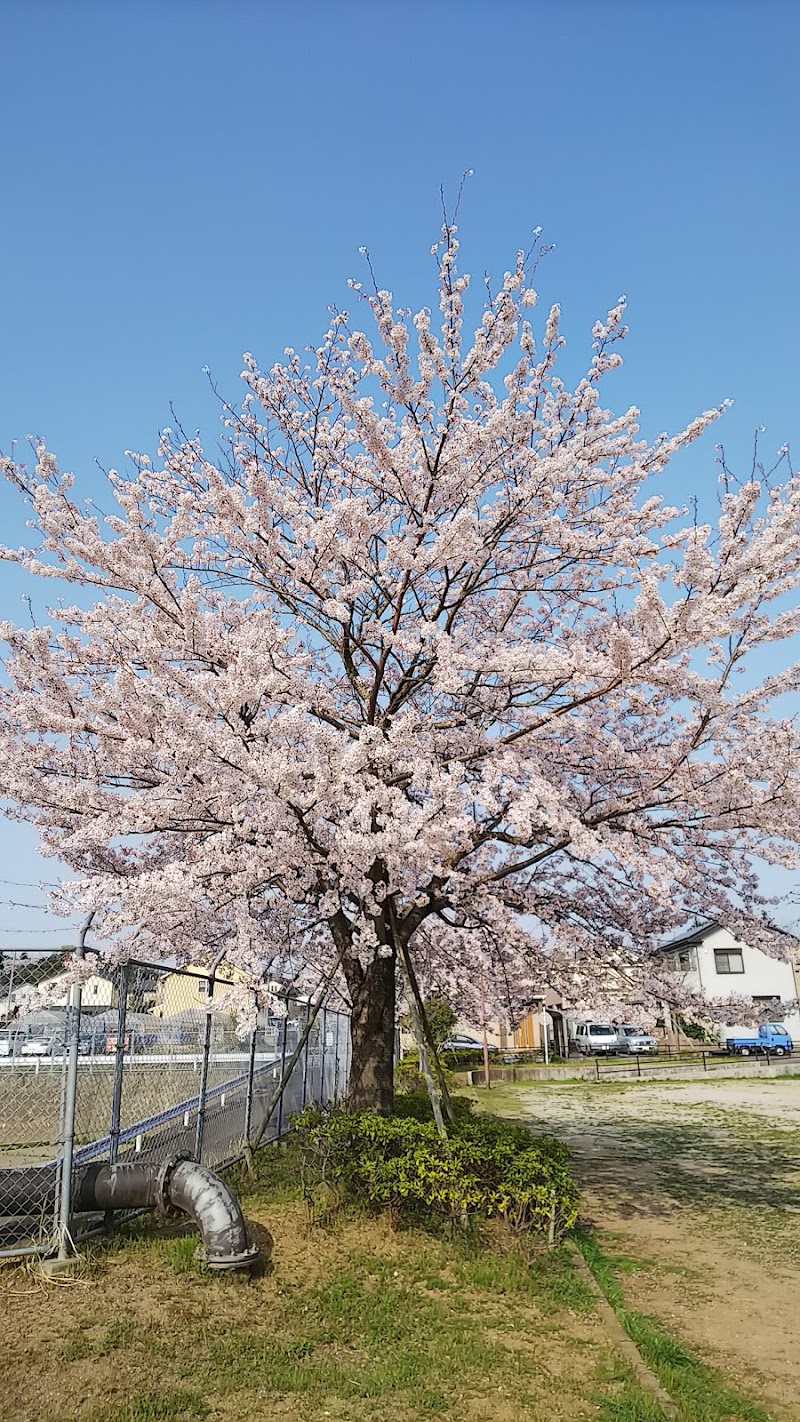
column 638, row 1064
column 132, row 1059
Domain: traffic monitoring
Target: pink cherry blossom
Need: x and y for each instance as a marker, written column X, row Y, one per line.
column 428, row 656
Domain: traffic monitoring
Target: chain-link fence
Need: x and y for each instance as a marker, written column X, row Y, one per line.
column 143, row 1063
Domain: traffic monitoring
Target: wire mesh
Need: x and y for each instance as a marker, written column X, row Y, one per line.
column 162, row 1069
column 33, row 1026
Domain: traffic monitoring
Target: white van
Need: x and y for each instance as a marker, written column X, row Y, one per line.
column 593, row 1038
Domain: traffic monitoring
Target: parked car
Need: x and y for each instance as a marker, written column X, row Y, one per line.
column 596, row 1038
column 108, row 1044
column 461, row 1042
column 635, row 1039
column 37, row 1047
column 772, row 1039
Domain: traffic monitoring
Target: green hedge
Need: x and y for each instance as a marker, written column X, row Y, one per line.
column 488, row 1168
column 408, row 1066
column 409, row 1077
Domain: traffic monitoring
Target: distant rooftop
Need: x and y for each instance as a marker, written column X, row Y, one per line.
column 689, row 940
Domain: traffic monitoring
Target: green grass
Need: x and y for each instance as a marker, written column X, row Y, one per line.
column 362, row 1335
column 630, row 1404
column 355, row 1322
column 554, row 1282
column 701, row 1391
column 412, row 1324
column 623, row 1399
column 182, row 1254
column 174, row 1405
column 273, row 1176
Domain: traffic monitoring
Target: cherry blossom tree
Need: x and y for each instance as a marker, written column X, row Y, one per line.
column 425, row 670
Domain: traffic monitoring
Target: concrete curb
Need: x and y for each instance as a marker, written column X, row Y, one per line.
column 577, row 1074
column 622, row 1343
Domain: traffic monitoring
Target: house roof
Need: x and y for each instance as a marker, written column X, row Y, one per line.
column 689, row 940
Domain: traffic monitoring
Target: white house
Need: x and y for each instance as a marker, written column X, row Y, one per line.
column 97, row 991
column 716, row 964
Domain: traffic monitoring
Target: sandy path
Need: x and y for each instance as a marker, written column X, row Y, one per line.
column 700, row 1181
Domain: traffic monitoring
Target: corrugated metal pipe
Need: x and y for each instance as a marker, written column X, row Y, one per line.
column 180, row 1185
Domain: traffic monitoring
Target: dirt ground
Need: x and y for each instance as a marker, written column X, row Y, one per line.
column 694, row 1189
column 357, row 1323
column 699, row 1184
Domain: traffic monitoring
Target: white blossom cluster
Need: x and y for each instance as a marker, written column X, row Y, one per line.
column 427, row 660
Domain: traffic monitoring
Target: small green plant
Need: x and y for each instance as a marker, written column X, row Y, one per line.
column 488, row 1168
column 182, row 1254
column 441, row 1019
column 174, row 1405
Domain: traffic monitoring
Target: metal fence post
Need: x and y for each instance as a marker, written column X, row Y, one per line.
column 251, row 1071
column 597, row 1067
column 70, row 1104
column 282, row 1071
column 336, row 1059
column 324, row 1029
column 306, row 1052
column 119, row 1064
column 201, row 1095
column 638, row 1065
column 61, row 1129
column 705, row 1063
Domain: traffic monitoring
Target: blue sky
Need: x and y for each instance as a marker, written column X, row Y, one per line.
column 185, row 180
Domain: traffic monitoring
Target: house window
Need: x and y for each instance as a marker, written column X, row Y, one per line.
column 681, row 962
column 728, row 960
column 770, row 998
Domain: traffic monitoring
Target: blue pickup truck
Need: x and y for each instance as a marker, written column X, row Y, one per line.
column 772, row 1040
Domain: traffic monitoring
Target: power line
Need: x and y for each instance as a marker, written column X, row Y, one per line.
column 29, row 884
column 68, row 928
column 17, row 903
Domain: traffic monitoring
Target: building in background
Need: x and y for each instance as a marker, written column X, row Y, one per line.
column 544, row 1012
column 714, row 963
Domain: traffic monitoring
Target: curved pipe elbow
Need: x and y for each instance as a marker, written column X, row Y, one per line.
column 206, row 1199
column 179, row 1185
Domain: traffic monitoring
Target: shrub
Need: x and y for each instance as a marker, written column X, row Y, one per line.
column 466, row 1059
column 409, row 1076
column 471, row 1057
column 487, row 1169
column 415, row 1103
column 408, row 1073
column 442, row 1019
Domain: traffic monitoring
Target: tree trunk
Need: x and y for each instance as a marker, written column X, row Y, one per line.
column 372, row 993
